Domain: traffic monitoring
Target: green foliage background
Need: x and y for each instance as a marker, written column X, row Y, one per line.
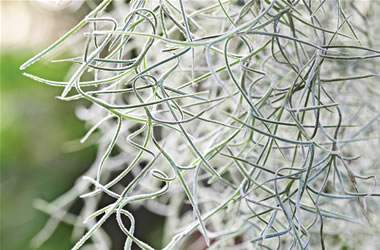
column 34, row 163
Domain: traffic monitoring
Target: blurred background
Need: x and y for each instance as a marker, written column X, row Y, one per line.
column 34, row 126
column 36, row 160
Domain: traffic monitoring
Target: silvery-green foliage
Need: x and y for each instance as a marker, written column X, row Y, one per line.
column 261, row 115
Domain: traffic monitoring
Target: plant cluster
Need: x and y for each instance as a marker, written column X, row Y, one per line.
column 242, row 120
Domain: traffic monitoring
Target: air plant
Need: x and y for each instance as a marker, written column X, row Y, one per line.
column 254, row 113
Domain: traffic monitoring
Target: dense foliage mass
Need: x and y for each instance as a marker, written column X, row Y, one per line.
column 241, row 120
